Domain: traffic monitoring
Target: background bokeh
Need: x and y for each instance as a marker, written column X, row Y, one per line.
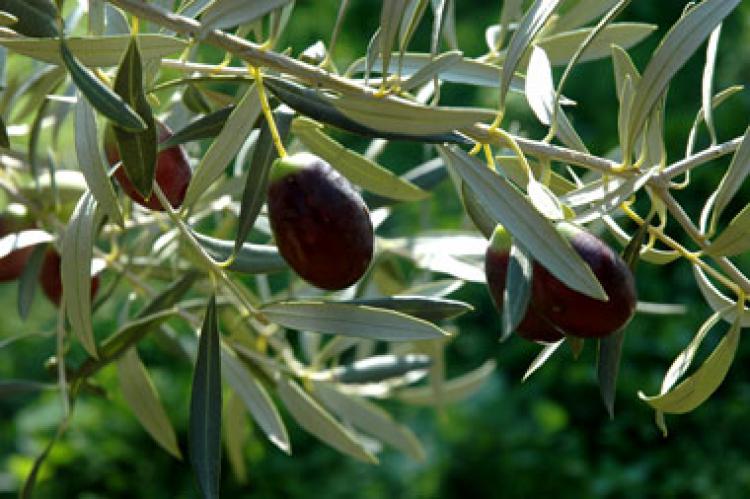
column 547, row 437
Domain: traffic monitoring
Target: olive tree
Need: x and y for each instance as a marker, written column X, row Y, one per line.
column 213, row 197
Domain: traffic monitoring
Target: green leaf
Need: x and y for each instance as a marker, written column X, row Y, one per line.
column 696, row 389
column 380, row 368
column 138, row 150
column 204, row 433
column 369, row 418
column 533, row 21
column 350, row 320
column 318, row 422
column 517, row 292
column 28, row 281
column 251, row 259
column 236, row 432
column 141, row 395
column 427, row 308
column 735, row 238
column 432, row 70
column 453, row 390
column 318, row 106
column 222, row 14
column 677, row 46
column 516, row 213
column 91, row 163
column 732, row 179
column 238, row 126
column 205, row 127
column 390, row 22
column 100, row 95
column 256, row 399
column 582, row 13
column 560, row 47
column 396, row 115
column 707, row 81
column 717, row 301
column 608, row 367
column 11, row 387
column 254, row 194
column 77, row 249
column 358, row 169
column 542, row 358
column 36, row 18
column 19, row 240
column 477, row 212
column 94, row 51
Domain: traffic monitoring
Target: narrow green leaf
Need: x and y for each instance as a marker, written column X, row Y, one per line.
column 717, row 301
column 251, row 259
column 138, row 150
column 238, row 126
column 318, row 422
column 90, row 161
column 533, row 21
column 428, row 308
column 318, row 106
column 205, row 127
column 77, row 249
column 390, row 22
column 696, row 389
column 236, row 433
column 517, row 292
column 514, row 211
column 351, row 320
column 28, row 281
column 735, row 239
column 369, row 418
column 542, row 358
column 582, row 13
column 204, row 433
column 561, row 46
column 359, row 170
column 453, row 390
column 222, row 14
column 396, row 115
column 623, row 67
column 256, row 399
column 35, row 18
column 432, row 69
column 425, row 176
column 608, row 367
column 380, row 368
column 143, row 399
column 678, row 45
column 23, row 239
column 477, row 212
column 254, row 194
column 733, row 178
column 708, row 80
column 94, row 51
column 101, row 97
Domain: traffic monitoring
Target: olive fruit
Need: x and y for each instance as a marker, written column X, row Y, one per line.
column 321, row 224
column 554, row 308
column 580, row 315
column 51, row 279
column 172, row 173
column 14, row 220
column 533, row 327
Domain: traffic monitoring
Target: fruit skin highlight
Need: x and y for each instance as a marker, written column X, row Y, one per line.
column 172, row 173
column 555, row 305
column 51, row 279
column 321, row 224
column 15, row 219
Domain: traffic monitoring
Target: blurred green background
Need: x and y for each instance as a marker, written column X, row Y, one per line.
column 548, row 437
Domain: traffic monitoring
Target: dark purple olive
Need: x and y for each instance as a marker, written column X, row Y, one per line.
column 321, row 224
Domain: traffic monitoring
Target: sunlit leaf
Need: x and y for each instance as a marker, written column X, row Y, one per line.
column 143, row 399
column 350, row 320
column 222, row 14
column 318, row 422
column 75, row 269
column 453, row 390
column 225, row 146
